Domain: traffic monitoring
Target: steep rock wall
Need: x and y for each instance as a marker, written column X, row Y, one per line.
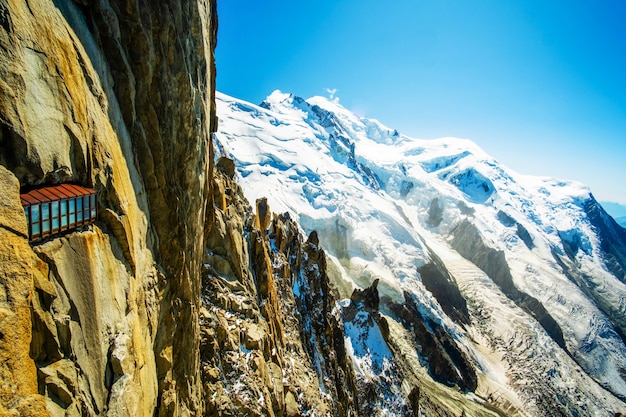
column 117, row 96
column 20, row 268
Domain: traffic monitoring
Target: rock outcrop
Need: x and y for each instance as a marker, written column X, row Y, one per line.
column 468, row 242
column 20, row 269
column 447, row 363
column 117, row 96
column 271, row 344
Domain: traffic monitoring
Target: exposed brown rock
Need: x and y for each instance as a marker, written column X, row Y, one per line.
column 241, row 329
column 118, row 96
column 251, row 316
column 226, row 166
column 263, row 214
column 321, row 331
column 291, row 406
column 313, row 239
column 368, row 298
column 19, row 388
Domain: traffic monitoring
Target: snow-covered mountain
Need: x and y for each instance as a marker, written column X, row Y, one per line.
column 509, row 287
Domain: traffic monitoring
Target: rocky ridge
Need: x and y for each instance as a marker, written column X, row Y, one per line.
column 266, row 350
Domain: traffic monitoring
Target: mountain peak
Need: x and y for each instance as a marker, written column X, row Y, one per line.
column 529, row 257
column 277, row 97
column 282, row 102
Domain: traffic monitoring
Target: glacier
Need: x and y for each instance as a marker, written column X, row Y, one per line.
column 520, row 277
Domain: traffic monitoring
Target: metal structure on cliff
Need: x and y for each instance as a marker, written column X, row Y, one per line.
column 52, row 210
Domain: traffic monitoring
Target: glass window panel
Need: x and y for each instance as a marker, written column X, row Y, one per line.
column 55, row 223
column 79, row 204
column 93, row 213
column 54, row 208
column 86, row 215
column 64, row 221
column 72, row 219
column 27, row 213
column 35, row 228
column 63, row 207
column 72, row 202
column 79, row 216
column 45, row 226
column 34, row 213
column 45, row 212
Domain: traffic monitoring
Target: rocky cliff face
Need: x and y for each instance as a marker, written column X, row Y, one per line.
column 117, row 96
column 268, row 350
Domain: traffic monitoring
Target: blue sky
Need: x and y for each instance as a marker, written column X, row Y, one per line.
column 539, row 85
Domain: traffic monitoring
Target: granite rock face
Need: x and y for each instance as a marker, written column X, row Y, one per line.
column 20, row 269
column 117, row 96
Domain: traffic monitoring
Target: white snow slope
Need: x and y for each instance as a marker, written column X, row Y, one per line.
column 384, row 204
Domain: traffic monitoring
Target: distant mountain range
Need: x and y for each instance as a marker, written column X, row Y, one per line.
column 488, row 280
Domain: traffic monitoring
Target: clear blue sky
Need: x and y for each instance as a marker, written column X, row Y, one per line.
column 538, row 84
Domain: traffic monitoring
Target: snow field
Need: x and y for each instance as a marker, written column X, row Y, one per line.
column 377, row 198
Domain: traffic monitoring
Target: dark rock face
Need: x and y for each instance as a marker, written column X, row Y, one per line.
column 368, row 298
column 523, row 234
column 364, row 322
column 613, row 238
column 443, row 287
column 571, row 242
column 446, row 362
column 322, row 331
column 521, row 231
column 505, row 219
column 435, row 213
column 406, row 187
column 469, row 244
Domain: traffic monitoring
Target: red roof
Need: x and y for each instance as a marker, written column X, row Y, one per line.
column 55, row 193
